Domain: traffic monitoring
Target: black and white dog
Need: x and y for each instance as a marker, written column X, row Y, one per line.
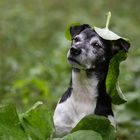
column 89, row 57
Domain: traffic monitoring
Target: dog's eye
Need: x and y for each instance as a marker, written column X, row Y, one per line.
column 76, row 39
column 97, row 45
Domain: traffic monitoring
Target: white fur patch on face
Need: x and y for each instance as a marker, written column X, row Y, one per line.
column 95, row 39
column 87, row 59
column 81, row 37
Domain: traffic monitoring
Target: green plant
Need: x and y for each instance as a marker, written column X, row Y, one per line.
column 34, row 124
column 37, row 124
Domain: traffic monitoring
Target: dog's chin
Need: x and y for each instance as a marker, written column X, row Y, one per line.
column 75, row 63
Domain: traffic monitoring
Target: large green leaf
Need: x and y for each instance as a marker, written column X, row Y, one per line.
column 82, row 135
column 10, row 126
column 107, row 34
column 38, row 122
column 112, row 86
column 99, row 124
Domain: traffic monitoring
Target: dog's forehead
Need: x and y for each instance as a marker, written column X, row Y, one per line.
column 89, row 34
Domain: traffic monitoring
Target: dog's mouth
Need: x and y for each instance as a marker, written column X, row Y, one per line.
column 73, row 60
column 76, row 64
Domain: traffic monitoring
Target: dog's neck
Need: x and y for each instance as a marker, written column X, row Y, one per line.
column 82, row 75
column 84, row 83
column 89, row 77
column 91, row 84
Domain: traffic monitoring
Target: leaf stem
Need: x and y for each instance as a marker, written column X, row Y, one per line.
column 108, row 19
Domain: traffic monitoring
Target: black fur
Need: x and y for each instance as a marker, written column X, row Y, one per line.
column 74, row 30
column 67, row 94
column 103, row 105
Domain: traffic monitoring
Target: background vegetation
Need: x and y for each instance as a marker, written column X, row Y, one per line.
column 33, row 49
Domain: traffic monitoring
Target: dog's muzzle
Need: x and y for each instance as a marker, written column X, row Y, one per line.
column 75, row 51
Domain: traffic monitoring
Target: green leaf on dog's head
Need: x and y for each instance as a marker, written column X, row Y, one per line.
column 82, row 135
column 112, row 87
column 67, row 32
column 105, row 33
column 98, row 124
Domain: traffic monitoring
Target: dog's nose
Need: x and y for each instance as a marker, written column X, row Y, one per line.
column 75, row 51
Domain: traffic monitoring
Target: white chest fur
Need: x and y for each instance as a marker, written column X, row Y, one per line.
column 84, row 92
column 81, row 103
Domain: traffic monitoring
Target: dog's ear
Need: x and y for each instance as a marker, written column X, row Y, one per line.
column 120, row 44
column 75, row 30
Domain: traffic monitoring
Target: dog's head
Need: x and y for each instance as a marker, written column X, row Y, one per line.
column 88, row 49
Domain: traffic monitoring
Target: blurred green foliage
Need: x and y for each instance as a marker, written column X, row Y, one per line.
column 33, row 49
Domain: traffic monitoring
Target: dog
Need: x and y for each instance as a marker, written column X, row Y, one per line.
column 89, row 57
